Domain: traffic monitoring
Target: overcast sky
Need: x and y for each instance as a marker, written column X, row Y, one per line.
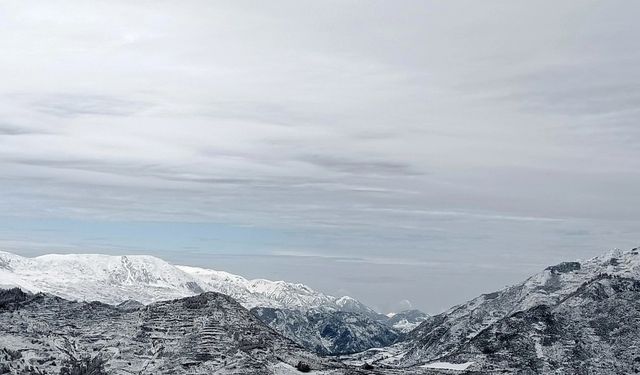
column 405, row 153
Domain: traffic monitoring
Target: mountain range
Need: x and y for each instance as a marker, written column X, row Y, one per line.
column 147, row 279
column 578, row 317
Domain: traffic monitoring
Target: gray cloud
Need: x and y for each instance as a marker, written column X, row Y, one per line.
column 72, row 105
column 6, row 129
column 577, row 89
column 355, row 166
column 374, row 136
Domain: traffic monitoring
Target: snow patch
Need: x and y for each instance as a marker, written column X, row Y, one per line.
column 538, row 346
column 448, row 366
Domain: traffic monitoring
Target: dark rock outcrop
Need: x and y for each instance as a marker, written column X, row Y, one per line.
column 328, row 332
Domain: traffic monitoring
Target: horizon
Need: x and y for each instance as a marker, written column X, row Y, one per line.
column 399, row 308
column 405, row 154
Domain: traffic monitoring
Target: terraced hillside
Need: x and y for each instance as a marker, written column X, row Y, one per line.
column 202, row 334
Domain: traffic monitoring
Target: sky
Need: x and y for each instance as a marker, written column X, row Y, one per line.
column 409, row 154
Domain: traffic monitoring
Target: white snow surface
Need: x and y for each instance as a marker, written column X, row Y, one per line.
column 260, row 292
column 615, row 262
column 449, row 366
column 405, row 326
column 115, row 279
column 349, row 304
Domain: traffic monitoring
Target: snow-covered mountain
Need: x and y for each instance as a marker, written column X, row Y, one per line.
column 115, row 279
column 574, row 317
column 593, row 330
column 260, row 292
column 442, row 334
column 95, row 277
column 352, row 305
column 406, row 321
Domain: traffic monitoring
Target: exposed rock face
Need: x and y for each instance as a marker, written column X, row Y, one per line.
column 130, row 305
column 10, row 299
column 564, row 267
column 328, row 332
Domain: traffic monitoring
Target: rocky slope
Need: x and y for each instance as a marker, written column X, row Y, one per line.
column 574, row 317
column 441, row 334
column 352, row 305
column 328, row 332
column 594, row 330
column 201, row 334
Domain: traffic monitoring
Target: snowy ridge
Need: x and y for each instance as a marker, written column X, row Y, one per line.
column 260, row 292
column 116, row 279
column 537, row 326
column 349, row 304
column 406, row 321
column 110, row 279
column 548, row 287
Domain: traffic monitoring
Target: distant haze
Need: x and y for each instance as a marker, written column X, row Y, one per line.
column 409, row 154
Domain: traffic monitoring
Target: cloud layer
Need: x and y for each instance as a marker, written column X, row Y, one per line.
column 391, row 133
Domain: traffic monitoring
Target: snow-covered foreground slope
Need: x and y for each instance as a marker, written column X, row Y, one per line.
column 205, row 334
column 115, row 279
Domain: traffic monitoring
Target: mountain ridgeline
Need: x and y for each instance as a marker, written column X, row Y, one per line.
column 146, row 279
column 572, row 318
